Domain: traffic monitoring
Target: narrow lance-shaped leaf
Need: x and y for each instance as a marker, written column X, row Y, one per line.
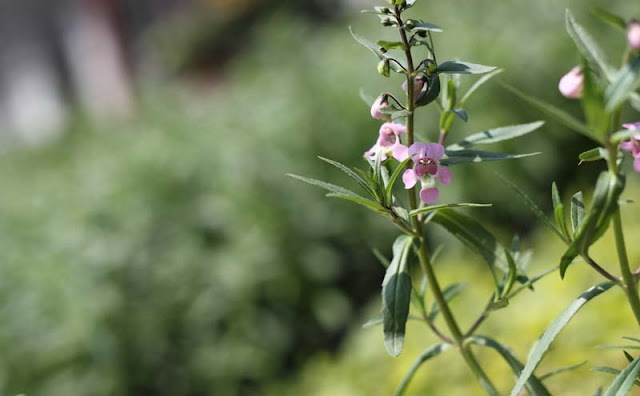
column 432, row 208
column 610, row 370
column 359, row 179
column 495, row 135
column 533, row 384
column 541, row 346
column 587, row 46
column 482, row 80
column 561, row 370
column 624, row 83
column 610, row 18
column 376, row 50
column 452, row 67
column 622, row 384
column 558, row 210
column 577, row 210
column 396, row 296
column 531, row 205
column 605, row 200
column 594, row 154
column 453, row 157
column 554, row 112
column 476, row 237
column 429, row 353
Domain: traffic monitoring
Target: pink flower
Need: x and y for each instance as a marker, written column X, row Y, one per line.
column 380, row 102
column 633, row 35
column 389, row 142
column 426, row 169
column 418, row 84
column 571, row 84
column 633, row 145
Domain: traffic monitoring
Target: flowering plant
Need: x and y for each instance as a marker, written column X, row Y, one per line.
column 426, row 165
column 604, row 92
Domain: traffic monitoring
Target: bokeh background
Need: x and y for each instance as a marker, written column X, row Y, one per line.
column 151, row 244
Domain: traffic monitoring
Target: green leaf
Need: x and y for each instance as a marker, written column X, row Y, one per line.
column 587, row 47
column 389, row 45
column 554, row 112
column 359, row 179
column 432, row 208
column 593, row 103
column 594, row 154
column 327, row 186
column 461, row 114
column 450, row 292
column 623, row 382
column 425, row 27
column 429, row 353
column 531, row 205
column 495, row 135
column 367, row 203
column 453, row 157
column 452, row 67
column 376, row 50
column 401, row 166
column 396, row 296
column 610, row 370
column 476, row 237
column 624, row 83
column 478, row 84
column 533, row 384
column 366, row 98
column 561, row 370
column 577, row 211
column 605, row 201
column 610, row 18
column 632, row 338
column 431, row 93
column 541, row 346
column 558, row 211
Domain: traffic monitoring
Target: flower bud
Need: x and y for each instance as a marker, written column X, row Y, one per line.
column 418, row 84
column 380, row 102
column 633, row 35
column 571, row 84
column 386, row 22
column 384, row 68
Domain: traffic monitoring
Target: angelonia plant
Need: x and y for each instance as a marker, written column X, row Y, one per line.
column 605, row 92
column 406, row 168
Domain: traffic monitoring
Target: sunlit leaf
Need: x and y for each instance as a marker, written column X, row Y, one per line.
column 495, row 135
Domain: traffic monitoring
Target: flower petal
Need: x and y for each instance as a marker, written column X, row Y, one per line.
column 416, row 148
column 400, row 152
column 409, row 178
column 434, row 151
column 444, row 175
column 632, row 125
column 371, row 154
column 636, row 164
column 429, row 195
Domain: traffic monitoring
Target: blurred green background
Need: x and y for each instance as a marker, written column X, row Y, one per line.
column 166, row 252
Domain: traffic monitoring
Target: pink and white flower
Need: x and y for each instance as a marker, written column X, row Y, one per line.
column 633, row 145
column 426, row 170
column 380, row 102
column 418, row 84
column 389, row 143
column 571, row 84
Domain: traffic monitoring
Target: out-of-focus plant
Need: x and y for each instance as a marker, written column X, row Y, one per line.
column 423, row 167
column 603, row 91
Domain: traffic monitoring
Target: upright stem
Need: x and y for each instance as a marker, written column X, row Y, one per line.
column 629, row 283
column 423, row 255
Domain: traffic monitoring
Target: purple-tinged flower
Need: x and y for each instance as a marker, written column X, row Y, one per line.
column 571, row 84
column 633, row 34
column 426, row 169
column 380, row 102
column 389, row 143
column 633, row 145
column 418, row 84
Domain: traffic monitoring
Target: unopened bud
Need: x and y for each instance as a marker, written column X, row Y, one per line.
column 386, row 22
column 571, row 84
column 410, row 23
column 633, row 34
column 380, row 102
column 431, row 67
column 384, row 67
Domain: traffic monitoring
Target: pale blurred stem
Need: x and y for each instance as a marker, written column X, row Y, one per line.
column 629, row 283
column 423, row 254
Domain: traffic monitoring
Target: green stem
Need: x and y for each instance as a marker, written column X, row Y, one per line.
column 628, row 283
column 423, row 255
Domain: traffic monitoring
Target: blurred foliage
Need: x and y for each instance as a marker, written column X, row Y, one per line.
column 171, row 256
